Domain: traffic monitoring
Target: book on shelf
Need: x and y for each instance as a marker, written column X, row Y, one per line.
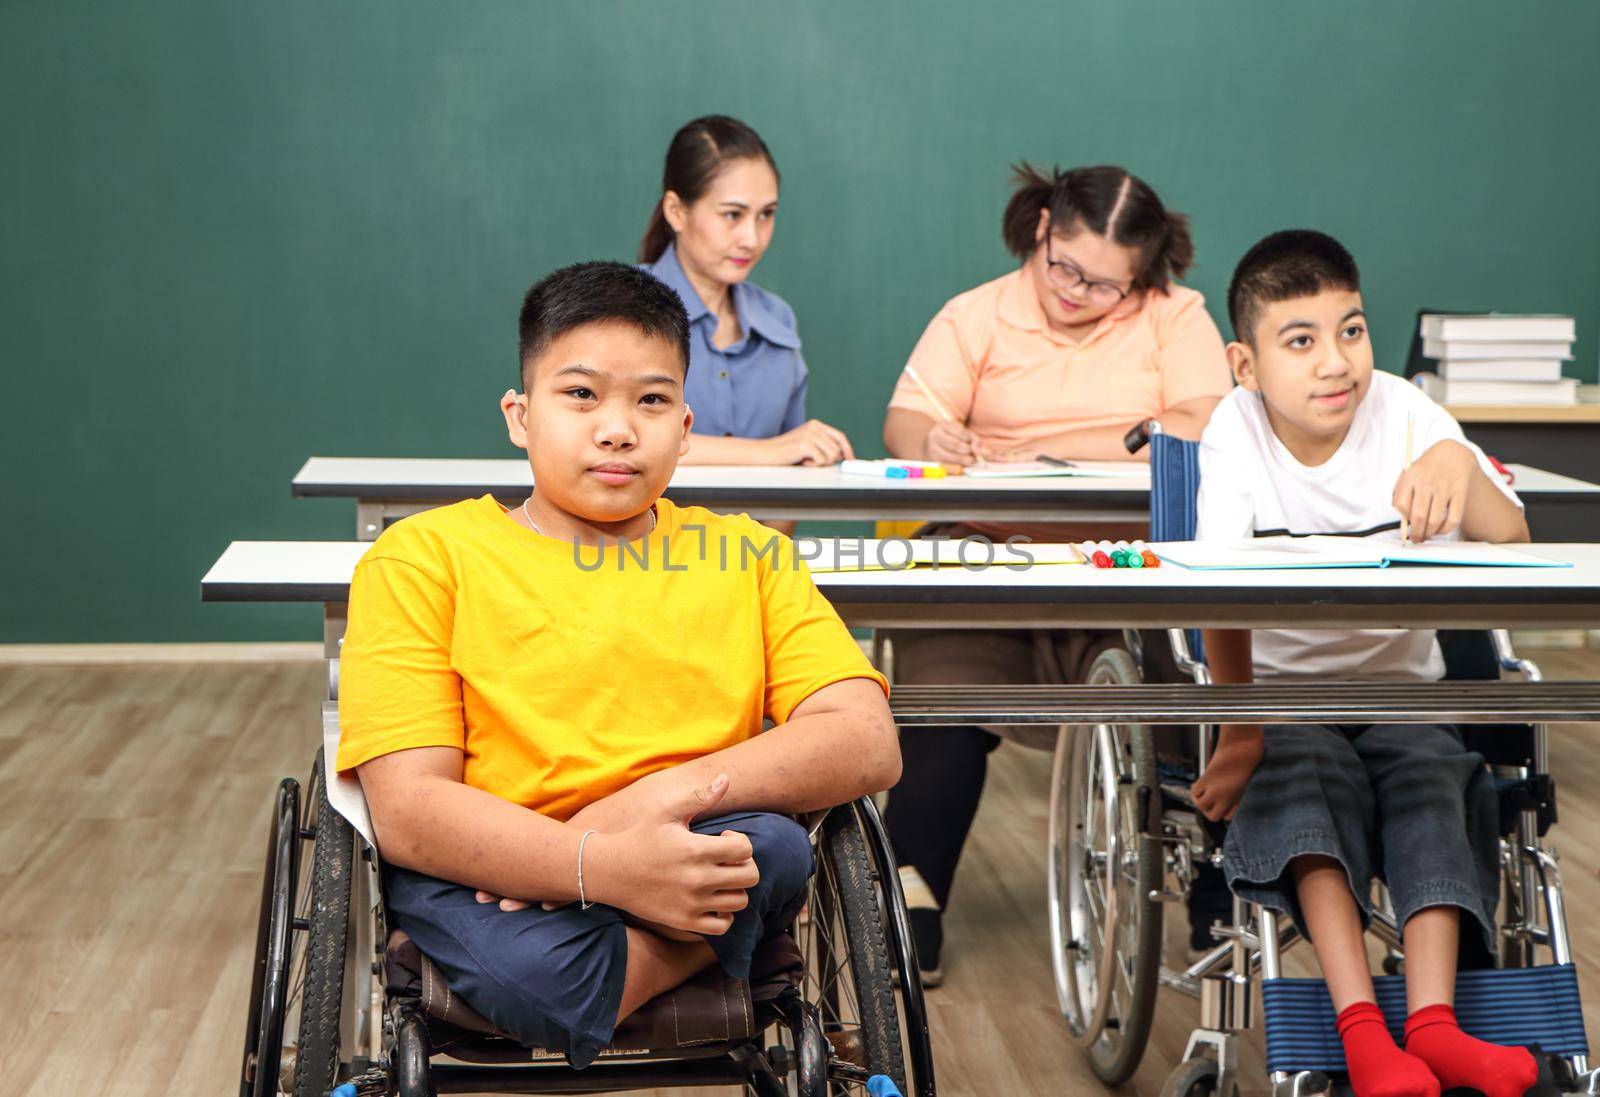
column 1499, row 327
column 1533, row 393
column 1459, row 350
column 1540, row 370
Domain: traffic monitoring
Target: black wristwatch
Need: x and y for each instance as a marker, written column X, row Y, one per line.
column 1139, row 437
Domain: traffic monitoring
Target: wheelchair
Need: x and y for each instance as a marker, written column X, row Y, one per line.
column 1125, row 839
column 340, row 998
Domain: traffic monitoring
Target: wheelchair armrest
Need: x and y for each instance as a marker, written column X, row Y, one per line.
column 1509, row 660
column 1185, row 659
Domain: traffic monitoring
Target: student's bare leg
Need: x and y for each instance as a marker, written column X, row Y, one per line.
column 1378, row 1068
column 656, row 965
column 1334, row 920
column 1431, row 937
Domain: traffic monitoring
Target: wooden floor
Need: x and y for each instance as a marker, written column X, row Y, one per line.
column 133, row 816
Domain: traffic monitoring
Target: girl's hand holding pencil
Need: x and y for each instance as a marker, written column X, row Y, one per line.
column 953, row 444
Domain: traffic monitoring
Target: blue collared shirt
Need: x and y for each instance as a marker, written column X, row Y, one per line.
column 754, row 388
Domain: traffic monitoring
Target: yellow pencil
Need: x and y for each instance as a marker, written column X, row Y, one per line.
column 1405, row 523
column 938, row 405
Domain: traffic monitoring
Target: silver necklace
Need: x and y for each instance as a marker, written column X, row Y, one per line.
column 535, row 525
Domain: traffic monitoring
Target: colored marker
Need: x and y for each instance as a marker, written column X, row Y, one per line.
column 1101, row 560
column 1151, row 560
column 1135, row 560
column 916, row 473
column 878, row 469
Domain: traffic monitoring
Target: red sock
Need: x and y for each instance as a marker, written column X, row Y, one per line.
column 1378, row 1068
column 1457, row 1059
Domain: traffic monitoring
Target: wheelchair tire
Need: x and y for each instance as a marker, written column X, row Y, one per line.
column 316, row 1068
column 1106, row 941
column 269, row 983
column 850, row 980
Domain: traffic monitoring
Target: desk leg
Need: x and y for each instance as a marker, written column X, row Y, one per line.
column 369, row 520
column 334, row 616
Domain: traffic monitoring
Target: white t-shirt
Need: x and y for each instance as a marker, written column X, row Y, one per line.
column 1252, row 486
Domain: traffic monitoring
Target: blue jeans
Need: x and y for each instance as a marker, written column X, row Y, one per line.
column 1407, row 802
column 553, row 978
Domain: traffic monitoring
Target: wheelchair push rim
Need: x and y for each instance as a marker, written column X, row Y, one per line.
column 1105, row 940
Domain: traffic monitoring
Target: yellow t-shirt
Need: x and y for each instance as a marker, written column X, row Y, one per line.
column 567, row 673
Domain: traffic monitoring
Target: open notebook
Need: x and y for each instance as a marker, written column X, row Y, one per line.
column 1117, row 470
column 1341, row 552
column 828, row 554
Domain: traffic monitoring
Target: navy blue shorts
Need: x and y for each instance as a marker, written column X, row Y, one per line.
column 553, row 978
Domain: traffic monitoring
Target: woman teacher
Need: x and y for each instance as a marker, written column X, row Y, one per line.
column 746, row 380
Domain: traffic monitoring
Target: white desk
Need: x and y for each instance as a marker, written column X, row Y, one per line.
column 386, row 488
column 1065, row 596
column 1075, row 595
column 389, row 488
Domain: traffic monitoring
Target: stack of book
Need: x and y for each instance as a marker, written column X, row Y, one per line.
column 1498, row 359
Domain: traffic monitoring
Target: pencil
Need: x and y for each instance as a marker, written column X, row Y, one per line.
column 938, row 405
column 1405, row 523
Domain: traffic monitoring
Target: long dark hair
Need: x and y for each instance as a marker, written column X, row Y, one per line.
column 698, row 151
column 1108, row 201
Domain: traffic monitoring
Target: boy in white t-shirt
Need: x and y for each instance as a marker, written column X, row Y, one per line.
column 1313, row 441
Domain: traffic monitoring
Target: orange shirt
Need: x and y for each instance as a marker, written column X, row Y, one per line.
column 992, row 359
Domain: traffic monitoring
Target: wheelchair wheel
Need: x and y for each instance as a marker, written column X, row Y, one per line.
column 269, row 983
column 1106, row 930
column 1194, row 1078
column 848, row 969
column 300, row 949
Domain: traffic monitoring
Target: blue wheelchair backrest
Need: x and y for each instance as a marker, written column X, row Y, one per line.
column 1174, row 486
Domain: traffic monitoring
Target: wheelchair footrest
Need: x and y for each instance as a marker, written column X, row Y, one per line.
column 1511, row 1006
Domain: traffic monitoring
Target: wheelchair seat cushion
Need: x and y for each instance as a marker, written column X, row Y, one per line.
column 711, row 1009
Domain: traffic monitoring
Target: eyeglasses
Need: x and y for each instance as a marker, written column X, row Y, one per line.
column 1065, row 274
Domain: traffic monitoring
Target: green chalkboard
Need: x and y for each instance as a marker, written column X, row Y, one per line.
column 235, row 235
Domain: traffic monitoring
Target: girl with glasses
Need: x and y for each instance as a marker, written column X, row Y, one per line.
column 1089, row 337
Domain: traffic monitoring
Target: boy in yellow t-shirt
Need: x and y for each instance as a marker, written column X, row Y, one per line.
column 561, row 704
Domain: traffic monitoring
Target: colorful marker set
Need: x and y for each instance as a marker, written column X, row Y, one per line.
column 1119, row 554
column 895, row 470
